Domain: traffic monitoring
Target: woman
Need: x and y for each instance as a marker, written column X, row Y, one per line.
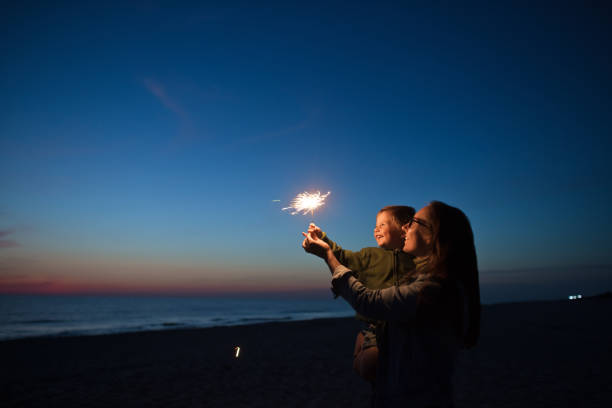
column 429, row 316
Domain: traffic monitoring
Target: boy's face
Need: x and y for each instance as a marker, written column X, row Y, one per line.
column 387, row 233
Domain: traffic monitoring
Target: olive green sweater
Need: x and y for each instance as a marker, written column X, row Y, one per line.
column 376, row 268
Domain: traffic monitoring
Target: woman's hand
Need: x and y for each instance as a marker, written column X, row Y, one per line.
column 315, row 245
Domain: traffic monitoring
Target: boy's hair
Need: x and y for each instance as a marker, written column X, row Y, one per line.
column 401, row 214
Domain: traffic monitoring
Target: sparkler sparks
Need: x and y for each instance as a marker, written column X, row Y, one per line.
column 307, row 202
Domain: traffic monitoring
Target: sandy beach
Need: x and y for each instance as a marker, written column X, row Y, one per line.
column 541, row 354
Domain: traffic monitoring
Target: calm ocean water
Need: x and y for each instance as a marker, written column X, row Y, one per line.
column 31, row 316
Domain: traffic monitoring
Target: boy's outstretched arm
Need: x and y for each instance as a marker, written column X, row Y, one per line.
column 348, row 258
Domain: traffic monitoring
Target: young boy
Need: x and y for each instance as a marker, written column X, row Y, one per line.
column 376, row 268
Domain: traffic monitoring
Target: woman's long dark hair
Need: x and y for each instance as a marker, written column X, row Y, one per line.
column 453, row 259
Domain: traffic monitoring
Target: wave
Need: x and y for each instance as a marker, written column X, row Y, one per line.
column 69, row 316
column 39, row 321
column 264, row 319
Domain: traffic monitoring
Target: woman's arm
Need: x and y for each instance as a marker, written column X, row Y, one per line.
column 396, row 303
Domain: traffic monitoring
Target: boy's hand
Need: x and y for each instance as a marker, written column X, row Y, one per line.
column 314, row 230
column 315, row 245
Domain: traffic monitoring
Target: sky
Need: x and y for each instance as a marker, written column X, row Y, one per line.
column 143, row 145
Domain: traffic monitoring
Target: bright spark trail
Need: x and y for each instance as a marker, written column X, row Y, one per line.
column 307, row 202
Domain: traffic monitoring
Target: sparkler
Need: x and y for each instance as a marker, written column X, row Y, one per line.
column 307, row 202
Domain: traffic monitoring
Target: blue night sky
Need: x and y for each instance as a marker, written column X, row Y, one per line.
column 142, row 144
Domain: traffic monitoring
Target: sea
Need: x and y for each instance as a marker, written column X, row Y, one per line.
column 53, row 315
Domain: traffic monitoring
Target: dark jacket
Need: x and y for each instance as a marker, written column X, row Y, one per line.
column 416, row 361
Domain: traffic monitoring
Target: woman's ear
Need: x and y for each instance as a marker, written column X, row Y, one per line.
column 428, row 239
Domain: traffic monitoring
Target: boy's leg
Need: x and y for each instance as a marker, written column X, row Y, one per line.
column 366, row 363
column 357, row 351
column 365, row 355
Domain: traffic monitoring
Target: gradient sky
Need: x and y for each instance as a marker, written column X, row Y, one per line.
column 142, row 144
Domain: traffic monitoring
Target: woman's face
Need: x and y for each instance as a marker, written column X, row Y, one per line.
column 418, row 233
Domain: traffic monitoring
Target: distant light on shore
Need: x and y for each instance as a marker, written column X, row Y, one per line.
column 574, row 297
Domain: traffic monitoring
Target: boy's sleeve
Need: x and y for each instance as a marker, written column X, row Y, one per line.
column 352, row 260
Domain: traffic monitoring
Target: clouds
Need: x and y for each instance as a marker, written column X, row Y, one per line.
column 24, row 285
column 7, row 243
column 159, row 91
column 62, row 274
column 544, row 283
column 289, row 131
column 187, row 130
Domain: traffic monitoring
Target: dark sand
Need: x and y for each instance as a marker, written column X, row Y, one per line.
column 546, row 354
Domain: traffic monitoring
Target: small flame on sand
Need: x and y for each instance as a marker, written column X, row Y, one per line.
column 237, row 349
